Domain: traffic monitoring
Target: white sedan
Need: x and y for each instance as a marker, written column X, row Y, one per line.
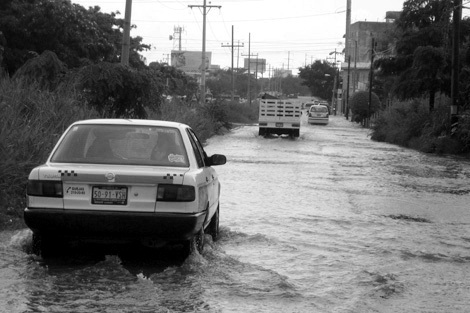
column 318, row 114
column 128, row 181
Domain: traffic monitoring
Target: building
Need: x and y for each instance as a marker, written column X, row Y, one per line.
column 360, row 48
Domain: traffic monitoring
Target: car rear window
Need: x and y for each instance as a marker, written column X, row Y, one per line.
column 122, row 144
column 319, row 108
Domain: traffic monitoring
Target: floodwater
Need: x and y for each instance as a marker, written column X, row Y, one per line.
column 328, row 222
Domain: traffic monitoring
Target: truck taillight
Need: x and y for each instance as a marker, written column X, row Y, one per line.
column 176, row 193
column 44, row 188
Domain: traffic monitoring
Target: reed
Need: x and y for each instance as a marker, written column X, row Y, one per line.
column 32, row 121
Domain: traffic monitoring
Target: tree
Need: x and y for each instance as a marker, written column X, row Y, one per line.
column 421, row 63
column 116, row 90
column 292, row 85
column 427, row 75
column 220, row 83
column 319, row 78
column 78, row 36
column 175, row 81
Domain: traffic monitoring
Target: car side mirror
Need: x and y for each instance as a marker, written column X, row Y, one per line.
column 216, row 159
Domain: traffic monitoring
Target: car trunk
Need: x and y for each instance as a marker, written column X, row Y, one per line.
column 112, row 188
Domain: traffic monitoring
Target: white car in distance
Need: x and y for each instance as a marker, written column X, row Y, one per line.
column 318, row 114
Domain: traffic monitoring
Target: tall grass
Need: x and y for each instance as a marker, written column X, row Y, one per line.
column 212, row 118
column 32, row 120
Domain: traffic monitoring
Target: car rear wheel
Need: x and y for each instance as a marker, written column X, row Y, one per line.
column 45, row 246
column 195, row 243
column 36, row 244
column 213, row 228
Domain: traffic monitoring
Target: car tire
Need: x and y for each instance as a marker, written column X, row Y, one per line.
column 195, row 243
column 36, row 244
column 45, row 246
column 213, row 228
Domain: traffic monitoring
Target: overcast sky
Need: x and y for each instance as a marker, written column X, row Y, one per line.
column 287, row 33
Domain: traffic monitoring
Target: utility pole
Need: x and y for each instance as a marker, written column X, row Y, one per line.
column 269, row 78
column 126, row 35
column 238, row 54
column 348, row 27
column 288, row 59
column 371, row 76
column 249, row 74
column 334, row 99
column 347, row 87
column 454, row 108
column 233, row 80
column 355, row 67
column 177, row 33
column 347, row 43
column 203, row 59
column 249, row 55
column 249, row 69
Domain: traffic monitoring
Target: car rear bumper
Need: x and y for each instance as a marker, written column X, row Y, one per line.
column 99, row 225
column 318, row 120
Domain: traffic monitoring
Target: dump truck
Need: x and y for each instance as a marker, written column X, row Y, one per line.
column 279, row 117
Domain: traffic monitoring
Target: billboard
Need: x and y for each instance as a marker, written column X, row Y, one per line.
column 261, row 63
column 189, row 61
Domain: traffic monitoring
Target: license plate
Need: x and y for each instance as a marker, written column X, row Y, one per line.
column 279, row 124
column 319, row 115
column 112, row 195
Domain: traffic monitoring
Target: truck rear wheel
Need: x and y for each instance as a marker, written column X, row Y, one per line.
column 261, row 132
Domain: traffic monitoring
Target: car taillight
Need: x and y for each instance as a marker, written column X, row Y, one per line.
column 44, row 188
column 176, row 193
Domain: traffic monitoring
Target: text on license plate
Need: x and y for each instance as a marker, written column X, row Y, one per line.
column 114, row 195
column 279, row 124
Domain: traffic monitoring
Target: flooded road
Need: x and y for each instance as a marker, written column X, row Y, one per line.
column 329, row 222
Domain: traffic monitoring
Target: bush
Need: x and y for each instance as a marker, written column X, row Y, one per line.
column 359, row 104
column 242, row 112
column 46, row 70
column 400, row 123
column 412, row 125
column 462, row 131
